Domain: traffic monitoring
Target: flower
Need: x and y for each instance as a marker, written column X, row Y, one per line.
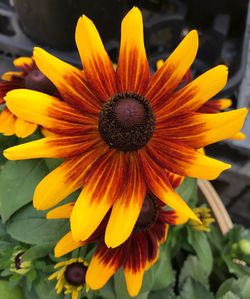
column 70, row 277
column 18, row 264
column 136, row 255
column 119, row 131
column 28, row 77
column 205, row 217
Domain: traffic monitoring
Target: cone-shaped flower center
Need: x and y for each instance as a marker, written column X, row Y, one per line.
column 36, row 80
column 75, row 274
column 18, row 261
column 126, row 122
column 148, row 213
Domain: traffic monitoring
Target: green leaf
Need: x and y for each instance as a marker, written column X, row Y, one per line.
column 229, row 295
column 188, row 191
column 30, row 226
column 5, row 142
column 18, row 180
column 194, row 290
column 163, row 272
column 108, row 290
column 37, row 252
column 239, row 287
column 120, row 285
column 45, row 289
column 162, row 294
column 198, row 240
column 192, row 268
column 6, row 292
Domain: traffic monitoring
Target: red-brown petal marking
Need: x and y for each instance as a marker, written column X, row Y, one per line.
column 64, row 180
column 214, row 106
column 52, row 147
column 103, row 265
column 69, row 80
column 6, row 86
column 184, row 160
column 97, row 65
column 157, row 182
column 132, row 70
column 168, row 77
column 135, row 263
column 199, row 130
column 103, row 186
column 194, row 95
column 49, row 112
column 26, row 64
column 127, row 208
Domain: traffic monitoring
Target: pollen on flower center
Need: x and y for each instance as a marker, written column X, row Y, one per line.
column 126, row 122
column 36, row 80
column 75, row 274
column 148, row 213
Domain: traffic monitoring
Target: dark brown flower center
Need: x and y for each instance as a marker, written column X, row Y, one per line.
column 148, row 214
column 36, row 80
column 75, row 274
column 18, row 261
column 126, row 122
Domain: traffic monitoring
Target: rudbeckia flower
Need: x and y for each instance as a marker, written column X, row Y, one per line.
column 28, row 77
column 70, row 277
column 119, row 131
column 136, row 255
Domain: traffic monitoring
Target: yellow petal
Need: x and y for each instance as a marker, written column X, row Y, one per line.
column 24, row 128
column 133, row 281
column 132, row 69
column 157, row 181
column 101, row 189
column 195, row 94
column 60, row 212
column 127, row 208
column 69, row 81
column 98, row 67
column 168, row 77
column 7, row 122
column 239, row 136
column 66, row 244
column 62, row 181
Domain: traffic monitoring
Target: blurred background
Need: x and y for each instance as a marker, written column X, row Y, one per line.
column 224, row 30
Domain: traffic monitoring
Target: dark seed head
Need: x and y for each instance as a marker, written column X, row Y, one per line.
column 18, row 261
column 126, row 122
column 148, row 214
column 36, row 80
column 75, row 274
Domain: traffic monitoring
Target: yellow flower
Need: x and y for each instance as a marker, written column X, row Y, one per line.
column 18, row 264
column 205, row 217
column 119, row 131
column 28, row 77
column 70, row 277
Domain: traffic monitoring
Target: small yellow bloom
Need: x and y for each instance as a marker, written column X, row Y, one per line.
column 70, row 276
column 204, row 214
column 18, row 264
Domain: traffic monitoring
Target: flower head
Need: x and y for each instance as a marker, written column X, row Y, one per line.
column 204, row 214
column 28, row 77
column 135, row 255
column 70, row 276
column 121, row 131
column 18, row 264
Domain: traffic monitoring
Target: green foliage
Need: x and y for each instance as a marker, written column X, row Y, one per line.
column 18, row 180
column 30, row 226
column 7, row 292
